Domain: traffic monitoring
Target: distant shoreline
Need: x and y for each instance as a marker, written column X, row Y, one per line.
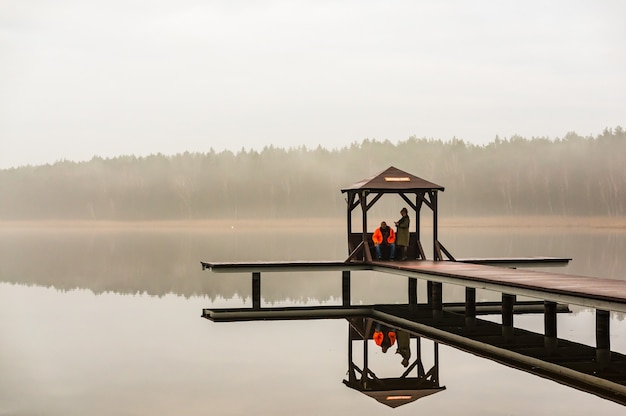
column 616, row 223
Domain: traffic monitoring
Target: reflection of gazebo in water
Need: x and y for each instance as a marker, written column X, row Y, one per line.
column 395, row 391
column 393, row 181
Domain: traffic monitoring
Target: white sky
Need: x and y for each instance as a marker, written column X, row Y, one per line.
column 111, row 77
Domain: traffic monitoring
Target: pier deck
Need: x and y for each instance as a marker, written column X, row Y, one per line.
column 607, row 294
column 598, row 293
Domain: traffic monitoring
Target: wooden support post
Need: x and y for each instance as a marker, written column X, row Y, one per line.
column 429, row 294
column 508, row 301
column 433, row 201
column 345, row 287
column 412, row 291
column 364, row 374
column 367, row 256
column 418, row 352
column 420, row 251
column 550, row 331
column 603, row 337
column 436, row 364
column 351, row 373
column 437, row 299
column 437, row 249
column 418, row 204
column 470, row 307
column 350, row 201
column 256, row 290
column 437, row 295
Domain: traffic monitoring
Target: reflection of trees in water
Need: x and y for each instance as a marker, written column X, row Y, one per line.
column 162, row 262
column 158, row 263
column 102, row 261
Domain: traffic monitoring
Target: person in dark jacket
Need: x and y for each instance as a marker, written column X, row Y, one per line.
column 402, row 236
column 404, row 347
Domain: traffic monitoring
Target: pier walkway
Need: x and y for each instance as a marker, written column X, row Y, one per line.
column 598, row 293
column 606, row 294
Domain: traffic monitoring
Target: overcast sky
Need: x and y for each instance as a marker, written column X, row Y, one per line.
column 111, row 77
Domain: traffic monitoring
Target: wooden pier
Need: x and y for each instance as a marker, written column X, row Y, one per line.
column 595, row 369
column 597, row 293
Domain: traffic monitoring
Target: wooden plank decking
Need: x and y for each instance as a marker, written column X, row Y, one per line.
column 607, row 294
column 283, row 266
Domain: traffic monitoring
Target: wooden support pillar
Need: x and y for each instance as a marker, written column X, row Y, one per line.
column 550, row 331
column 367, row 256
column 412, row 291
column 351, row 372
column 603, row 337
column 350, row 201
column 345, row 287
column 364, row 374
column 437, row 299
column 508, row 302
column 418, row 352
column 433, row 201
column 418, row 211
column 256, row 290
column 436, row 363
column 437, row 295
column 470, row 307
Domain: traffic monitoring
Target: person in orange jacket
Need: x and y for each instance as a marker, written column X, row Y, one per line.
column 384, row 236
column 384, row 337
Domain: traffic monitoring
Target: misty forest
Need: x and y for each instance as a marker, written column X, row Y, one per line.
column 573, row 175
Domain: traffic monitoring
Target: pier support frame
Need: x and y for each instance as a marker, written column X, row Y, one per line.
column 436, row 298
column 345, row 287
column 508, row 302
column 256, row 290
column 470, row 307
column 550, row 329
column 603, row 337
column 412, row 291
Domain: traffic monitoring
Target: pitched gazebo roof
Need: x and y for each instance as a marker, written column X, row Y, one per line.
column 393, row 180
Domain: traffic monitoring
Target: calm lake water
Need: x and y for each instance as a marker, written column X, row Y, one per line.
column 107, row 322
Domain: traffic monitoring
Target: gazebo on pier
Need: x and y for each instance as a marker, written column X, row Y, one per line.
column 415, row 191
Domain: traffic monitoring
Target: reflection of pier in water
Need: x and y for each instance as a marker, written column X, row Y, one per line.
column 414, row 383
column 595, row 369
column 591, row 369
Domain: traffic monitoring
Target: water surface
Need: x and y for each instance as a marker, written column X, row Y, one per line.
column 108, row 322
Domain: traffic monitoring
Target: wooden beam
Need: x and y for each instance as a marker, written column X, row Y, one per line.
column 508, row 301
column 470, row 307
column 412, row 291
column 367, row 256
column 603, row 337
column 550, row 340
column 356, row 251
column 373, row 201
column 433, row 198
column 345, row 287
column 256, row 290
column 446, row 252
column 426, row 201
column 409, row 202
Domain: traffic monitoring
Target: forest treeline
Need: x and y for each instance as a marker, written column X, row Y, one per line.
column 573, row 175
